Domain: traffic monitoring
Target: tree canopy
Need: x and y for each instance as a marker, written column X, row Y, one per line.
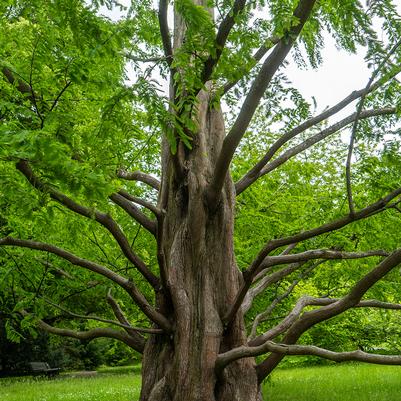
column 125, row 144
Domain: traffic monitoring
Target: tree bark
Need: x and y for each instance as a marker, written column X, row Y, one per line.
column 202, row 278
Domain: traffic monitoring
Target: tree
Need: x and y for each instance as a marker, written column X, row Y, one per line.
column 71, row 125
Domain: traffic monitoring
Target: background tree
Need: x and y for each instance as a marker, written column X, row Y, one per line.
column 150, row 261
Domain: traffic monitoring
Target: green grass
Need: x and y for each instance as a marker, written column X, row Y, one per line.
column 351, row 382
column 104, row 387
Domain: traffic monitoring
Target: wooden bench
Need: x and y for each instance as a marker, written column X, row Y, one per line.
column 42, row 368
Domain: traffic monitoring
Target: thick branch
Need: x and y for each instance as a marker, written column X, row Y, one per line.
column 263, row 167
column 318, row 254
column 128, row 285
column 249, row 274
column 221, row 38
column 104, row 219
column 134, row 212
column 164, row 31
column 139, row 176
column 258, row 88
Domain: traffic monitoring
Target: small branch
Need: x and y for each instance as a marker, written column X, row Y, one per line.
column 59, row 95
column 134, row 212
column 259, row 54
column 139, row 176
column 140, row 201
column 355, row 128
column 126, row 327
column 156, row 59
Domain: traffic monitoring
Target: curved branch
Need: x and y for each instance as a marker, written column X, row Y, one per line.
column 311, row 318
column 128, row 285
column 258, row 88
column 139, row 176
column 154, row 209
column 104, row 219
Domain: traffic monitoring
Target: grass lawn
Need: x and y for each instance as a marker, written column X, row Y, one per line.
column 104, row 387
column 351, row 382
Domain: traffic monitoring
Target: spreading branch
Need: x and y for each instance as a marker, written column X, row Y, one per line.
column 269, row 346
column 311, row 318
column 252, row 100
column 126, row 284
column 91, row 334
column 140, row 201
column 104, row 219
column 249, row 274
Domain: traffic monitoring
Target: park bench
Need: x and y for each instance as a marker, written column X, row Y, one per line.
column 42, row 368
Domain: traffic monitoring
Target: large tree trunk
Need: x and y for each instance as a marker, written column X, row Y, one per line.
column 200, row 272
column 202, row 278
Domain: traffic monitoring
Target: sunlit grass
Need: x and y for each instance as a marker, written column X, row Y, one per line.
column 351, row 382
